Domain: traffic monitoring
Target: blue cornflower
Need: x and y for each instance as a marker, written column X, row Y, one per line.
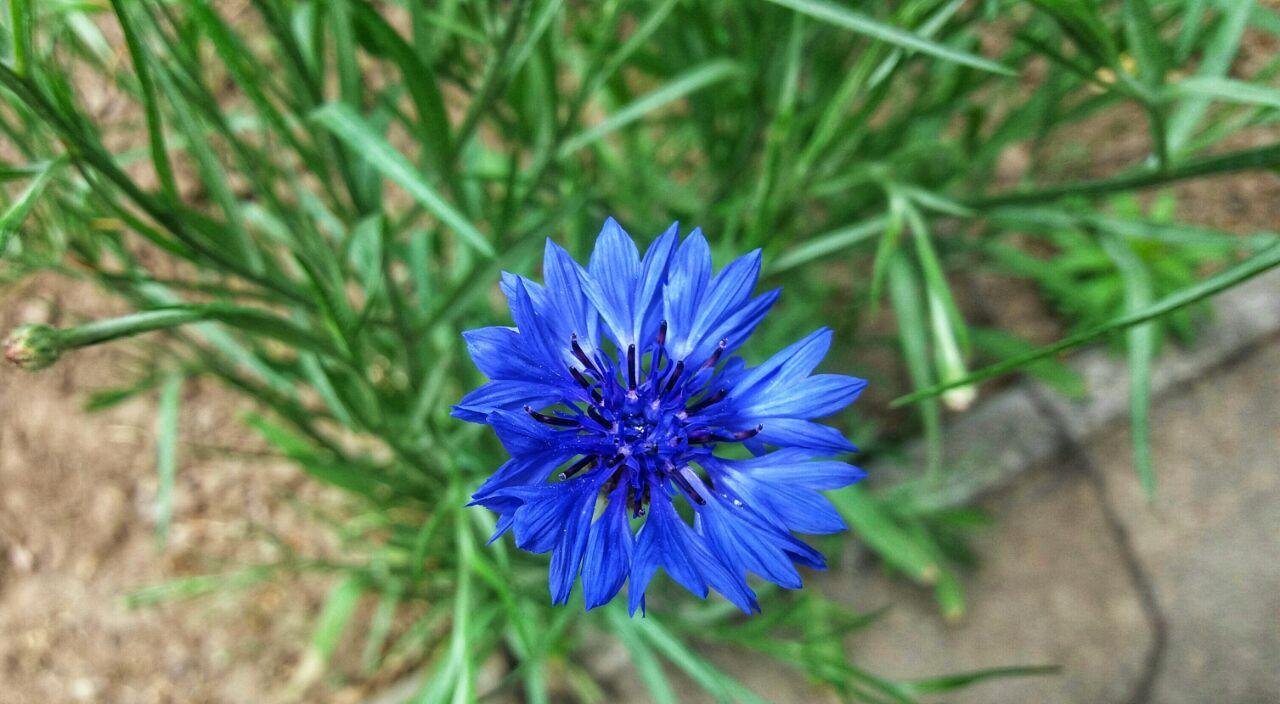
column 613, row 393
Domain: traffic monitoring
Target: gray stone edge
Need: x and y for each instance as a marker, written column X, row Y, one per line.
column 1006, row 433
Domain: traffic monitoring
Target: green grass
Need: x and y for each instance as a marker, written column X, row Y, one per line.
column 310, row 200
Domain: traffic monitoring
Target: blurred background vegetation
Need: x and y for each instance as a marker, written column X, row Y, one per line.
column 310, row 199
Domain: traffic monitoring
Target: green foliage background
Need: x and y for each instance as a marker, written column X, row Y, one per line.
column 312, row 198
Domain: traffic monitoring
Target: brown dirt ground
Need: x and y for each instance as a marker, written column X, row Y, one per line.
column 77, row 535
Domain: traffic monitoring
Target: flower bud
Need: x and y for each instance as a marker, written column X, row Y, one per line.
column 33, row 347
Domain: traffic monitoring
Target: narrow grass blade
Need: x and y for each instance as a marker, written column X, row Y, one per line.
column 829, row 243
column 380, row 629
column 948, row 683
column 355, row 132
column 862, row 24
column 874, row 526
column 1225, row 89
column 1257, row 264
column 642, row 658
column 166, row 453
column 17, row 212
column 1143, row 37
column 22, row 30
column 694, row 79
column 330, row 624
column 913, row 336
column 142, row 61
column 698, row 668
column 199, row 585
column 1142, row 341
column 419, row 78
column 1215, row 61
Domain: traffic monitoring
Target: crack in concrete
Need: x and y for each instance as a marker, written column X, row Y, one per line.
column 1073, row 451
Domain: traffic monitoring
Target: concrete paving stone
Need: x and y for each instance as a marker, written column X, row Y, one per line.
column 1211, row 540
column 1053, row 587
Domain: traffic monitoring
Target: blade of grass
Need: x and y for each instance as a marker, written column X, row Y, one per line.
column 1142, row 341
column 1225, row 89
column 332, row 621
column 1265, row 157
column 17, row 212
column 708, row 676
column 1257, row 264
column 151, row 109
column 828, row 243
column 22, row 18
column 880, row 532
column 949, row 683
column 166, row 453
column 862, row 24
column 1215, row 61
column 354, row 131
column 694, row 79
column 913, row 336
column 647, row 666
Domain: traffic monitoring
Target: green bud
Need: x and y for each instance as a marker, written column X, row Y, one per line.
column 33, row 347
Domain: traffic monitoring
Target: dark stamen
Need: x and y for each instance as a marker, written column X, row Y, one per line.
column 715, row 356
column 715, row 398
column 637, row 509
column 584, row 463
column 631, row 367
column 703, row 437
column 748, row 434
column 659, row 355
column 582, row 356
column 598, row 417
column 612, row 483
column 551, row 420
column 681, row 481
column 583, row 381
column 675, row 376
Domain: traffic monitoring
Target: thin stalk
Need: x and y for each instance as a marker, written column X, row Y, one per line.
column 1257, row 264
column 1266, row 157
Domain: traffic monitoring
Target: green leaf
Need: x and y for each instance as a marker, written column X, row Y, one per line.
column 199, row 585
column 948, row 683
column 380, row 629
column 698, row 668
column 418, row 77
column 17, row 211
column 828, row 243
column 913, row 336
column 692, row 80
column 1257, row 264
column 642, row 658
column 887, row 246
column 1225, row 89
column 142, row 61
column 1142, row 341
column 357, row 134
column 868, row 26
column 1215, row 61
column 332, row 621
column 1143, row 37
column 353, row 478
column 999, row 343
column 166, row 453
column 873, row 525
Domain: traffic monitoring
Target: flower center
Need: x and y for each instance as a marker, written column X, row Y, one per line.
column 650, row 424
